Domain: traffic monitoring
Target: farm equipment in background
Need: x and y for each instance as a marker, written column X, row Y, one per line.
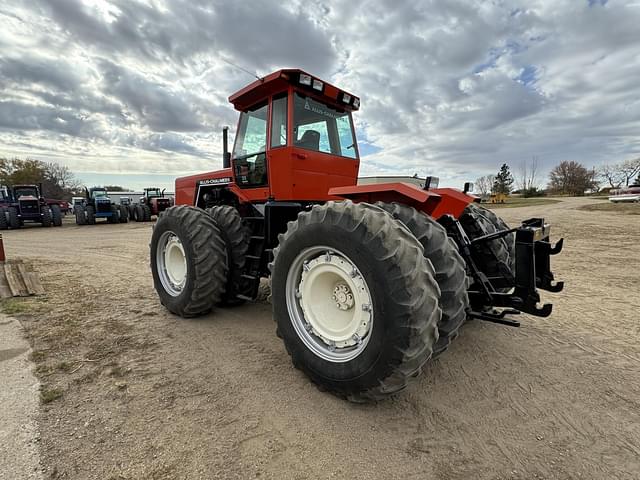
column 96, row 204
column 63, row 205
column 498, row 197
column 124, row 209
column 25, row 203
column 152, row 203
column 368, row 282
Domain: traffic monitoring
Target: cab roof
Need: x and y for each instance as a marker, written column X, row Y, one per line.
column 280, row 80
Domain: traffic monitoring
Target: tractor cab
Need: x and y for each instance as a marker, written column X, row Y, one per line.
column 97, row 193
column 295, row 140
column 295, row 137
column 23, row 191
column 153, row 192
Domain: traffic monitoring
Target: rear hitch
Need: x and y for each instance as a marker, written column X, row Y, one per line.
column 532, row 271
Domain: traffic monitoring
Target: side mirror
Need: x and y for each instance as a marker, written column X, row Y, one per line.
column 468, row 187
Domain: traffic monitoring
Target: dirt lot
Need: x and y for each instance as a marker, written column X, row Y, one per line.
column 134, row 392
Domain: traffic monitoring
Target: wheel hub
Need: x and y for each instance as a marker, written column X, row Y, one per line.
column 335, row 301
column 342, row 296
column 172, row 263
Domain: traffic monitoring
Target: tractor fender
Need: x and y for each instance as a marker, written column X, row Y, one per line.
column 434, row 202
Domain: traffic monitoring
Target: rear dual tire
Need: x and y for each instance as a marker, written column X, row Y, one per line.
column 449, row 268
column 354, row 252
column 495, row 258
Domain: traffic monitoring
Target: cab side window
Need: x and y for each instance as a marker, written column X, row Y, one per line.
column 279, row 121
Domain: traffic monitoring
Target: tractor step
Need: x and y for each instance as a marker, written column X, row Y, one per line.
column 248, row 276
column 252, row 257
column 256, row 237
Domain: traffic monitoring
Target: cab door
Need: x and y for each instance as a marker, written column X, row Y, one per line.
column 323, row 149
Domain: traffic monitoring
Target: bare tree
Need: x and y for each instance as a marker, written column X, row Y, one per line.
column 611, row 174
column 484, row 184
column 629, row 169
column 528, row 175
column 572, row 178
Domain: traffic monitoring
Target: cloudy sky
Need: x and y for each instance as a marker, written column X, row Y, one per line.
column 135, row 92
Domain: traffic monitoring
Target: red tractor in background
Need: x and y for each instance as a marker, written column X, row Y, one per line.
column 368, row 282
column 153, row 202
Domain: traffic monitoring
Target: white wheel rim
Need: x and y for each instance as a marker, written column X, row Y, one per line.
column 329, row 304
column 171, row 262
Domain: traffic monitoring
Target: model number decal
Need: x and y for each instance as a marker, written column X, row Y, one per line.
column 212, row 181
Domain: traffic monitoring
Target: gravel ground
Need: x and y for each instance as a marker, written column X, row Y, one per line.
column 144, row 394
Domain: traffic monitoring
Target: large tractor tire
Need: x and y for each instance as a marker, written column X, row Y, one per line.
column 236, row 238
column 46, row 216
column 14, row 219
column 139, row 213
column 146, row 213
column 56, row 215
column 188, row 261
column 449, row 267
column 81, row 215
column 355, row 301
column 495, row 258
column 90, row 215
column 114, row 215
column 124, row 214
column 4, row 222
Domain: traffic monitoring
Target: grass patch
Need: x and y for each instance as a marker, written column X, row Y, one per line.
column 515, row 202
column 14, row 306
column 625, row 208
column 38, row 356
column 48, row 395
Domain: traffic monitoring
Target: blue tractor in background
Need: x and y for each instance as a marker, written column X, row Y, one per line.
column 96, row 204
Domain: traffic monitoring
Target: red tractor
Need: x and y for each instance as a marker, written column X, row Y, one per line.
column 151, row 203
column 368, row 282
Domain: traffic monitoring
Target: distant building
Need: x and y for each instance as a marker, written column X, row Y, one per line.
column 391, row 179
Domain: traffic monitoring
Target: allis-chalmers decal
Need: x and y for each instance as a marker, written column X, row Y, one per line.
column 213, row 181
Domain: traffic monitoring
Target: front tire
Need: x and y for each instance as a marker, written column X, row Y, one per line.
column 4, row 223
column 355, row 301
column 124, row 214
column 56, row 215
column 46, row 216
column 448, row 265
column 188, row 261
column 81, row 215
column 14, row 219
column 90, row 215
column 236, row 237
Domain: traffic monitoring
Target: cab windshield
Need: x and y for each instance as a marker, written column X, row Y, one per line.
column 98, row 193
column 322, row 128
column 153, row 193
column 25, row 192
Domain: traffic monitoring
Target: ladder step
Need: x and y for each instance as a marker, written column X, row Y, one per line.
column 247, row 276
column 244, row 297
column 256, row 237
column 252, row 257
column 255, row 219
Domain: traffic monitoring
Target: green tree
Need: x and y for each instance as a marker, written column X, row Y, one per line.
column 503, row 180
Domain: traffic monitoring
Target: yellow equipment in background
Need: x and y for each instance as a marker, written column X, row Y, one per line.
column 498, row 197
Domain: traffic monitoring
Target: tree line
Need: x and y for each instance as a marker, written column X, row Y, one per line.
column 566, row 178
